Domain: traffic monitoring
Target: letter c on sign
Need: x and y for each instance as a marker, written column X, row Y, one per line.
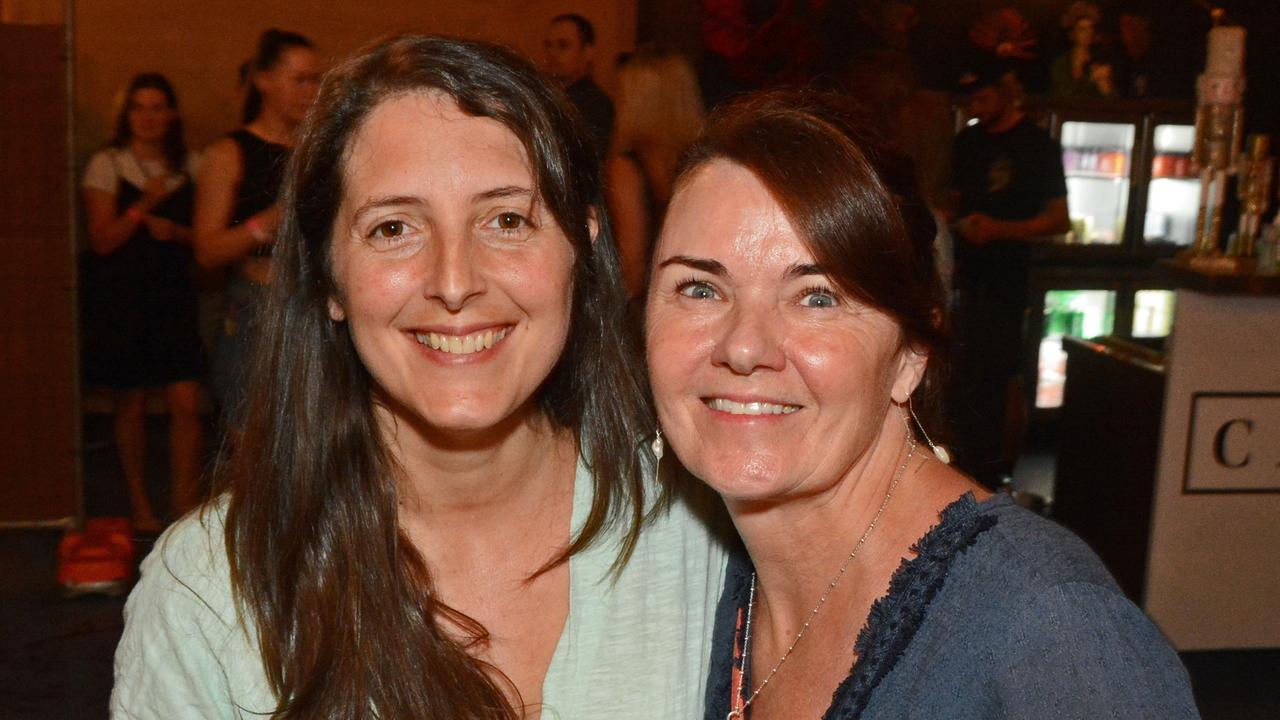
column 1220, row 443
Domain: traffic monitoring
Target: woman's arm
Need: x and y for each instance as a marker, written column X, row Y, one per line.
column 628, row 208
column 166, row 230
column 215, row 243
column 109, row 229
column 1080, row 649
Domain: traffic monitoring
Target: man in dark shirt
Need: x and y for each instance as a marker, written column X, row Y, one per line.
column 1008, row 194
column 570, row 54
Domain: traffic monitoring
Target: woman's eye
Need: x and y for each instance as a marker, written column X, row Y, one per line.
column 696, row 289
column 389, row 229
column 818, row 298
column 509, row 221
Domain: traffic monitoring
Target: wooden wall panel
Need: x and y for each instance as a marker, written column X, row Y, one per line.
column 39, row 419
column 199, row 50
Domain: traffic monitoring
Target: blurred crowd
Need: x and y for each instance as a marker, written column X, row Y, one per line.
column 164, row 220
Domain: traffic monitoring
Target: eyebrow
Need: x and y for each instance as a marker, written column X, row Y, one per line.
column 506, row 191
column 803, row 270
column 704, row 264
column 716, row 268
column 386, row 201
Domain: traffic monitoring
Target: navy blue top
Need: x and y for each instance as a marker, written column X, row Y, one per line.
column 1001, row 614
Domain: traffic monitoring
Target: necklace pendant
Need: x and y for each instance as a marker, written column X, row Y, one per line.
column 734, row 715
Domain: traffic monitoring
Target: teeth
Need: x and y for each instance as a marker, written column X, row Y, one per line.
column 461, row 344
column 751, row 408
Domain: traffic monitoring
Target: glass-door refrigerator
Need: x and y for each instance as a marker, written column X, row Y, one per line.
column 1173, row 193
column 1131, row 199
column 1097, row 160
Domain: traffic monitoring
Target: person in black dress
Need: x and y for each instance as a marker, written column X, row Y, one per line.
column 140, row 306
column 236, row 210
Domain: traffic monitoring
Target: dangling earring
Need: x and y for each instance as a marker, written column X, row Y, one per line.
column 939, row 451
column 657, row 446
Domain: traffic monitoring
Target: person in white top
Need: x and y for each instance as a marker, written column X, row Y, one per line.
column 140, row 305
column 443, row 502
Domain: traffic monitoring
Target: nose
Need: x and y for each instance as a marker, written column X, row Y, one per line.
column 751, row 342
column 452, row 277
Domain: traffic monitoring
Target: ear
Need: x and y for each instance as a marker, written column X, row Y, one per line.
column 337, row 313
column 912, row 362
column 593, row 224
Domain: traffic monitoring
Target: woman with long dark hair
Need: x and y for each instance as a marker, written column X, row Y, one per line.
column 140, row 310
column 237, row 211
column 443, row 501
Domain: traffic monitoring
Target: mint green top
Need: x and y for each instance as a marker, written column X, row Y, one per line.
column 634, row 647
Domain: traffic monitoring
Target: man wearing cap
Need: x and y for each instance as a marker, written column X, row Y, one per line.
column 570, row 54
column 1007, row 194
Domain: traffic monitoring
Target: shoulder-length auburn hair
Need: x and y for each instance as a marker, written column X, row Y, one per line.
column 347, row 621
column 852, row 200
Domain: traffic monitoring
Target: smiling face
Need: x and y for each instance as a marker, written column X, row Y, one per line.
column 770, row 383
column 453, row 277
column 149, row 114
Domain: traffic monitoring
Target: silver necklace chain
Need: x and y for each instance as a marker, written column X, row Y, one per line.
column 738, row 712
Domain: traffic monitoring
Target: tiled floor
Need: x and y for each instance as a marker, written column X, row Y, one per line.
column 55, row 653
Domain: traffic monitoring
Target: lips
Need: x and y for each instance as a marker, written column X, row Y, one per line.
column 462, row 344
column 733, row 407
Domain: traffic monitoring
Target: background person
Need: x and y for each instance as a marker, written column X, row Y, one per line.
column 659, row 114
column 438, row 507
column 1008, row 193
column 140, row 317
column 794, row 321
column 237, row 214
column 570, row 47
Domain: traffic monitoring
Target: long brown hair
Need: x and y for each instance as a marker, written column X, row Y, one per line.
column 347, row 621
column 853, row 201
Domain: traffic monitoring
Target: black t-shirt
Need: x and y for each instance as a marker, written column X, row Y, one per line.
column 1010, row 176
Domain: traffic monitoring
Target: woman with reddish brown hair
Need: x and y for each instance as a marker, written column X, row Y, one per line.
column 794, row 335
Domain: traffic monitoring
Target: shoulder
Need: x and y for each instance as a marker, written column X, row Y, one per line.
column 1052, row 621
column 185, row 651
column 221, row 150
column 1025, row 551
column 100, row 173
column 222, row 158
column 188, row 570
column 1028, row 131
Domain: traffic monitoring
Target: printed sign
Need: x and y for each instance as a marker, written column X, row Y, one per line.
column 1233, row 444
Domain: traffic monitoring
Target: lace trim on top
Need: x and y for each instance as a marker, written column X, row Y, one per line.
column 895, row 618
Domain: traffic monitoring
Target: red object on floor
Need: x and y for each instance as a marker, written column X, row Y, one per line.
column 98, row 558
